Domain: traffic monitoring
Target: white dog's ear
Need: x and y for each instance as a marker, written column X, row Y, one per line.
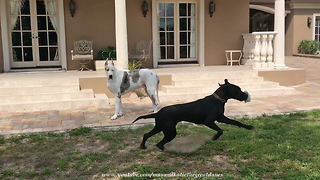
column 112, row 62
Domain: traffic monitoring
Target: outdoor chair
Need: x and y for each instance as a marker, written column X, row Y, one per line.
column 82, row 53
column 143, row 50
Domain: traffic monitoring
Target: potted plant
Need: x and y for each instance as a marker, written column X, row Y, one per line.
column 108, row 53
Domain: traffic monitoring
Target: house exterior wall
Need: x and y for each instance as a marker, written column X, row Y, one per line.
column 95, row 21
column 224, row 30
column 1, row 55
column 300, row 29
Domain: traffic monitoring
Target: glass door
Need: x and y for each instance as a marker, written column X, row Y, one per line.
column 177, row 31
column 34, row 37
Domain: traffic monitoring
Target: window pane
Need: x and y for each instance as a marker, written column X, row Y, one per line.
column 42, row 23
column 192, row 51
column 170, row 38
column 192, row 37
column 43, row 52
column 53, row 39
column 41, row 9
column 170, row 10
column 50, row 25
column 183, row 38
column 162, row 24
column 42, row 39
column 162, row 38
column 170, row 24
column 162, row 52
column 192, row 24
column 25, row 7
column 54, row 54
column 161, row 9
column 183, row 51
column 14, row 7
column 182, row 9
column 26, row 23
column 183, row 24
column 27, row 54
column 317, row 30
column 27, row 40
column 191, row 9
column 17, row 54
column 15, row 22
column 170, row 52
column 16, row 39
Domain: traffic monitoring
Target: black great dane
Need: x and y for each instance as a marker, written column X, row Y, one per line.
column 202, row 111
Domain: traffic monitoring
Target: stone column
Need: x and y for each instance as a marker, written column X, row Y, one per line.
column 121, row 34
column 279, row 40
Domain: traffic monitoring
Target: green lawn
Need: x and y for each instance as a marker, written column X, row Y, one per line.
column 279, row 147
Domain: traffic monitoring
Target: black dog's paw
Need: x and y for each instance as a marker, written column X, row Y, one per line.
column 143, row 147
column 160, row 147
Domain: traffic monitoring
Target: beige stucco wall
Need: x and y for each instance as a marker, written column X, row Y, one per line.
column 298, row 29
column 95, row 20
column 1, row 55
column 224, row 30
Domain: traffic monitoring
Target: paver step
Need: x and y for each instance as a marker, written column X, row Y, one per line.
column 212, row 81
column 100, row 101
column 220, row 75
column 87, row 93
column 212, row 88
column 38, row 89
column 38, row 81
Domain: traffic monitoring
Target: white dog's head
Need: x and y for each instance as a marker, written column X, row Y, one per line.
column 110, row 70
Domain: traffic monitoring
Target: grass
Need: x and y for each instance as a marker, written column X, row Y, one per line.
column 279, row 147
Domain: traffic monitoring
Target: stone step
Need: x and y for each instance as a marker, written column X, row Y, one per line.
column 211, row 81
column 212, row 88
column 38, row 82
column 38, row 89
column 215, row 75
column 100, row 101
column 255, row 93
column 87, row 93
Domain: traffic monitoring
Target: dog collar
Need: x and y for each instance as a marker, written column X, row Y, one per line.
column 219, row 98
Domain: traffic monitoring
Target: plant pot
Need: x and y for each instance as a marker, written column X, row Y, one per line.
column 100, row 64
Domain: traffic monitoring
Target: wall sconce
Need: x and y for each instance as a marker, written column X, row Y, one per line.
column 309, row 22
column 72, row 7
column 212, row 8
column 144, row 8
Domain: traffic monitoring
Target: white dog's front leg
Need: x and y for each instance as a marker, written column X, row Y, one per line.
column 117, row 107
column 120, row 112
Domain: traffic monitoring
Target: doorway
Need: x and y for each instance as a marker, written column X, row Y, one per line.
column 34, row 40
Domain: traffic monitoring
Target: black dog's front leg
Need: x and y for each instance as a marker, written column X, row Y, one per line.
column 226, row 120
column 210, row 123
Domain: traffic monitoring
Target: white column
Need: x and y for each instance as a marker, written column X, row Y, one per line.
column 4, row 35
column 202, row 32
column 279, row 40
column 121, row 34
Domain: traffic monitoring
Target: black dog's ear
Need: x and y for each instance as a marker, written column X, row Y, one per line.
column 226, row 81
column 219, row 84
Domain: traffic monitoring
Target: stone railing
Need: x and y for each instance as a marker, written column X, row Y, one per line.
column 258, row 49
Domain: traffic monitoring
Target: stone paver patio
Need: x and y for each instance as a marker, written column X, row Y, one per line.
column 27, row 122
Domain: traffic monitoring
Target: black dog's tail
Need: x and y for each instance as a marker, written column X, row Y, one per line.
column 145, row 117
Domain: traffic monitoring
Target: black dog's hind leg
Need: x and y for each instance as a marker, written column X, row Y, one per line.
column 154, row 131
column 169, row 135
column 226, row 120
column 212, row 125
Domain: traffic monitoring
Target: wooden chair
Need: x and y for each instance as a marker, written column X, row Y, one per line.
column 82, row 53
column 143, row 50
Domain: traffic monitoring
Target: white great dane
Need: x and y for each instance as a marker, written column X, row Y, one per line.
column 122, row 82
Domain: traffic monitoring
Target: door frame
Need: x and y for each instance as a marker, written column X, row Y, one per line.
column 5, row 34
column 200, row 30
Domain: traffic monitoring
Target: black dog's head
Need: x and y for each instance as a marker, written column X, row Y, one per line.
column 228, row 90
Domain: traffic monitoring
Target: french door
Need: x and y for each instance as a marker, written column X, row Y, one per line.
column 33, row 33
column 177, row 31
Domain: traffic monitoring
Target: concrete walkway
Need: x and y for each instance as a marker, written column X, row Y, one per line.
column 26, row 122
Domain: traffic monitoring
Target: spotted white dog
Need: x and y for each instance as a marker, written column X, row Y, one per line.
column 122, row 82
